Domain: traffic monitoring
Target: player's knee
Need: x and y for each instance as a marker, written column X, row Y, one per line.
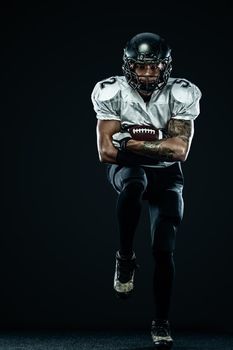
column 172, row 220
column 165, row 235
column 169, row 225
column 135, row 188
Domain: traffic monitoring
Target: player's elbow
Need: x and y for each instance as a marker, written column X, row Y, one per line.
column 107, row 155
column 102, row 157
column 181, row 150
column 182, row 158
column 182, row 154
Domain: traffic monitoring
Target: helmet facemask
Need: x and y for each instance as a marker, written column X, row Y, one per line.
column 146, row 85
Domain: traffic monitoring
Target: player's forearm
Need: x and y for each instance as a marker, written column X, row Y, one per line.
column 126, row 158
column 170, row 149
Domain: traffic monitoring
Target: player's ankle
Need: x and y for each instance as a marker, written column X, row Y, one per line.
column 126, row 254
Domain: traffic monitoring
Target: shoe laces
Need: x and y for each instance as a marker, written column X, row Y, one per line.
column 126, row 267
column 161, row 328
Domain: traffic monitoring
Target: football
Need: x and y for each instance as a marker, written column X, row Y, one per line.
column 144, row 133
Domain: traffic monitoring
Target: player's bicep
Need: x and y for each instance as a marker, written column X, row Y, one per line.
column 184, row 129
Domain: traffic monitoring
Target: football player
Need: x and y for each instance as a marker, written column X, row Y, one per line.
column 146, row 95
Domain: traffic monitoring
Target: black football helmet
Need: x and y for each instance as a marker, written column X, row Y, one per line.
column 147, row 48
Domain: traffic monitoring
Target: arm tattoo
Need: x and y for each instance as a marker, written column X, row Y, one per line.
column 180, row 128
column 162, row 149
column 154, row 148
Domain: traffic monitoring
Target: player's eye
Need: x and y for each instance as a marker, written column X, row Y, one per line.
column 153, row 66
column 140, row 66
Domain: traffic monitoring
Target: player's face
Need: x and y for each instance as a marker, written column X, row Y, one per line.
column 148, row 72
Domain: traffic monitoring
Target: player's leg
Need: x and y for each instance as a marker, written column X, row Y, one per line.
column 130, row 183
column 166, row 212
column 163, row 247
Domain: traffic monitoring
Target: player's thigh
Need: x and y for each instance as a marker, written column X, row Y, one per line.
column 120, row 176
column 171, row 204
column 170, row 196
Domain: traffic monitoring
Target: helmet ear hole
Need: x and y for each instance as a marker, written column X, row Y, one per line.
column 144, row 48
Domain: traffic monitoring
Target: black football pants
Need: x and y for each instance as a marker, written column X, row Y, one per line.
column 162, row 188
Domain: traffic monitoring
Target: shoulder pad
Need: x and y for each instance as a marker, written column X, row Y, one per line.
column 107, row 89
column 184, row 91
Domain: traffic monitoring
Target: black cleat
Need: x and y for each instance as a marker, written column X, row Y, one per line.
column 124, row 275
column 161, row 334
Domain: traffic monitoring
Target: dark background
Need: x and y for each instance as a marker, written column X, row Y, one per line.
column 58, row 226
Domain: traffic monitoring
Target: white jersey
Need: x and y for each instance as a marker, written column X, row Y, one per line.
column 114, row 99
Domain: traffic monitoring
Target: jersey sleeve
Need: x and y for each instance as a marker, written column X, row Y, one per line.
column 106, row 100
column 186, row 100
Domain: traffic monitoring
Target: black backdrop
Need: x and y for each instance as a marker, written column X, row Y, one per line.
column 58, row 226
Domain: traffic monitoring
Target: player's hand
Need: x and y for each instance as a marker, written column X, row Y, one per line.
column 120, row 139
